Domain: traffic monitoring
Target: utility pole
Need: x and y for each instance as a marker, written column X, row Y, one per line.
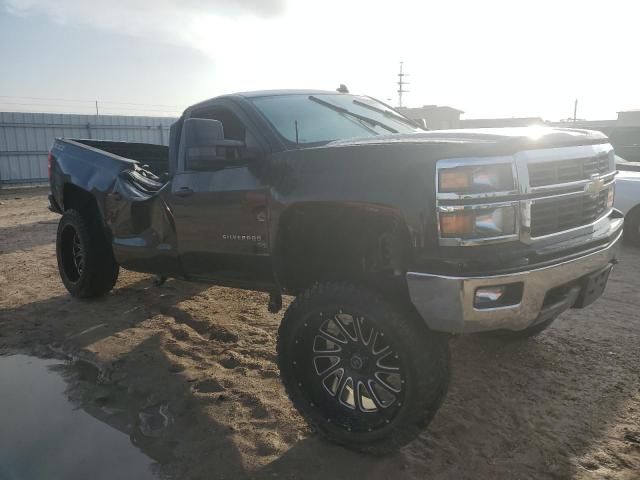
column 97, row 111
column 401, row 84
column 575, row 111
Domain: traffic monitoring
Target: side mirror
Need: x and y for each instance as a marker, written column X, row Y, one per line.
column 205, row 146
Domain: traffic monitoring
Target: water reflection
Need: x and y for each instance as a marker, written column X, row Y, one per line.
column 43, row 435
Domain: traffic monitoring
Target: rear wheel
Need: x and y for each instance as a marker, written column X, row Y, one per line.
column 85, row 259
column 363, row 372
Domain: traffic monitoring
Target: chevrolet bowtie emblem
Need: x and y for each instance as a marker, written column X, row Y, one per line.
column 595, row 186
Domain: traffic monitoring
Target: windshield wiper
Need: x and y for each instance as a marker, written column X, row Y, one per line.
column 345, row 111
column 387, row 113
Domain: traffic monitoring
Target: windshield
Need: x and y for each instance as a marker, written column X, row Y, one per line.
column 322, row 118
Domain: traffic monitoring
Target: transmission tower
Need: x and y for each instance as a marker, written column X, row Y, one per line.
column 401, row 84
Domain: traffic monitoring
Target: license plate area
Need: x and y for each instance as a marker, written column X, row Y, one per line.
column 593, row 286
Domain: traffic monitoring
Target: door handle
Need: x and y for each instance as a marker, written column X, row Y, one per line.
column 184, row 192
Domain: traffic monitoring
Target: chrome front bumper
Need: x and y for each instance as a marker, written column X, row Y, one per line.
column 447, row 303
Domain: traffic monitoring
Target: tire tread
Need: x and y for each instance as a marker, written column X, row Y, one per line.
column 409, row 327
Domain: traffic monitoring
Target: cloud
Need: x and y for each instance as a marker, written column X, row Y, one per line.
column 91, row 11
column 171, row 21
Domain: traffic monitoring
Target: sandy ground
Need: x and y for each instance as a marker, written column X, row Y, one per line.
column 189, row 372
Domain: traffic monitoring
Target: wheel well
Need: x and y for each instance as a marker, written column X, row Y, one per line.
column 75, row 198
column 329, row 242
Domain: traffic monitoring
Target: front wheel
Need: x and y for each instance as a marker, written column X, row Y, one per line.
column 364, row 373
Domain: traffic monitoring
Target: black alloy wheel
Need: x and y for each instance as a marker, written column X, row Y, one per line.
column 85, row 259
column 365, row 373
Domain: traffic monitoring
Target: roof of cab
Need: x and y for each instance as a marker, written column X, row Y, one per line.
column 271, row 93
column 266, row 93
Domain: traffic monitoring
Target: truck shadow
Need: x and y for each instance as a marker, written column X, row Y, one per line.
column 63, row 322
column 515, row 409
column 168, row 423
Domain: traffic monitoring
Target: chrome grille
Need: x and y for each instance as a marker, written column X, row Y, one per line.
column 564, row 213
column 564, row 171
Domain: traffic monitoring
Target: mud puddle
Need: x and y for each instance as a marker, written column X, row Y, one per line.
column 46, row 433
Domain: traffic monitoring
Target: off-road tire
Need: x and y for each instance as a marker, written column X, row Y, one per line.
column 99, row 270
column 632, row 227
column 422, row 358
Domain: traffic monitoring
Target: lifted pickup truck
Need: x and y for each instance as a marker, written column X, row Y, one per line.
column 390, row 237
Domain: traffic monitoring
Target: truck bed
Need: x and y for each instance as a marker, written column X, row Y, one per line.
column 154, row 158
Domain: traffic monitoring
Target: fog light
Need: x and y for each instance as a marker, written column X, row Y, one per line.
column 488, row 296
column 498, row 296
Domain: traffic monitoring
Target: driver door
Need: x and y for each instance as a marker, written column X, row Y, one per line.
column 220, row 209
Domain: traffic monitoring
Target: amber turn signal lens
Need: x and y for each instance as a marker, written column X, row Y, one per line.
column 456, row 224
column 611, row 195
column 455, row 180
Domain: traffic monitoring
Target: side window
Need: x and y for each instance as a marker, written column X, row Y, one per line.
column 233, row 127
column 232, row 148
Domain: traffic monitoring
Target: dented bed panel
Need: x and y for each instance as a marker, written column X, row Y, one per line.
column 141, row 222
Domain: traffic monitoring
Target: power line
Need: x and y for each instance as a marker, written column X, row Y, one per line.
column 88, row 109
column 48, row 99
column 89, row 105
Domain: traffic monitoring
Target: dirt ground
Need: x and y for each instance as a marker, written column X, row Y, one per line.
column 189, row 372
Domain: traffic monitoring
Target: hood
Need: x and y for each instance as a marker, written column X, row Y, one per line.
column 513, row 139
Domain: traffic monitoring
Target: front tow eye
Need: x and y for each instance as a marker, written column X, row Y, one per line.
column 275, row 302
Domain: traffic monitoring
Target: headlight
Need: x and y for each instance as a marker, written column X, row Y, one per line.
column 478, row 223
column 476, row 179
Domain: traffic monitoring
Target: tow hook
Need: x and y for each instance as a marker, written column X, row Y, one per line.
column 275, row 302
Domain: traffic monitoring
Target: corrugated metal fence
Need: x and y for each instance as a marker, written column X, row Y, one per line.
column 25, row 138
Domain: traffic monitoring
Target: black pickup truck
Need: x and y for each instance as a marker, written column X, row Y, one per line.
column 389, row 236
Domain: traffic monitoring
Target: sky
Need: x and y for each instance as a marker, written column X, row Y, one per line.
column 490, row 58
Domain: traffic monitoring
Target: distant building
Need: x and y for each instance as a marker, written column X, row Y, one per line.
column 629, row 118
column 623, row 133
column 436, row 117
column 500, row 122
